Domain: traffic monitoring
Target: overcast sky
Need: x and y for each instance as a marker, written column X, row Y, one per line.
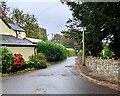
column 51, row 14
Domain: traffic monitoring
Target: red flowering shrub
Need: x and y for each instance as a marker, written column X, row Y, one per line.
column 18, row 60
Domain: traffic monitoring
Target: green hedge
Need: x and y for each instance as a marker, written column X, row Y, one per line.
column 53, row 51
column 70, row 52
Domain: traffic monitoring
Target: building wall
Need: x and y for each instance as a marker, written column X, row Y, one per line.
column 4, row 29
column 22, row 35
column 25, row 51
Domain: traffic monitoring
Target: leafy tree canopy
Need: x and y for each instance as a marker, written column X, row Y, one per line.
column 64, row 40
column 29, row 23
column 100, row 19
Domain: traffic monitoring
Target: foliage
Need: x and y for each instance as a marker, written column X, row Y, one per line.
column 86, row 53
column 5, row 75
column 70, row 52
column 29, row 23
column 101, row 19
column 64, row 40
column 19, row 71
column 25, row 70
column 73, row 38
column 53, row 51
column 7, row 60
column 107, row 53
column 15, row 63
column 18, row 60
column 38, row 61
column 3, row 9
column 25, row 20
column 41, row 56
column 43, row 34
column 80, row 52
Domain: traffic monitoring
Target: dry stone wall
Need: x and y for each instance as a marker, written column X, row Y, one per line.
column 107, row 67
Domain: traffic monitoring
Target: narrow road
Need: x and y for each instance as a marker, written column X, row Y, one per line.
column 56, row 79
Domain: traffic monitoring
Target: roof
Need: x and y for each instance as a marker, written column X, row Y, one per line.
column 15, row 27
column 35, row 41
column 10, row 40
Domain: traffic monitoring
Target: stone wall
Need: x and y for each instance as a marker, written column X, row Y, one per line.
column 107, row 67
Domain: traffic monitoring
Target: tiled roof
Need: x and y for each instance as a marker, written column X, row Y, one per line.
column 11, row 40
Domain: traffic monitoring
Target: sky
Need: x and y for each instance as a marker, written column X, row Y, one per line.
column 51, row 14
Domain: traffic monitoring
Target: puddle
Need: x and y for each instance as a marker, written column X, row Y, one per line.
column 69, row 66
column 46, row 75
column 42, row 75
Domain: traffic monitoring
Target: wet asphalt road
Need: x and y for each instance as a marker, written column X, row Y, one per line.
column 56, row 79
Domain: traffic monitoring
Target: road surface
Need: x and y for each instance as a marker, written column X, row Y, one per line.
column 56, row 79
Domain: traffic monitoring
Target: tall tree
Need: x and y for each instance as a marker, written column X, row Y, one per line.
column 18, row 17
column 101, row 20
column 29, row 23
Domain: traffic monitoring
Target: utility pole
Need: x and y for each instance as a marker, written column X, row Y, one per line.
column 83, row 55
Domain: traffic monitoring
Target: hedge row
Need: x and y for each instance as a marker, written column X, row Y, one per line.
column 53, row 51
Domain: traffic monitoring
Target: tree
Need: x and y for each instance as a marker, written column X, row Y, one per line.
column 29, row 23
column 43, row 34
column 101, row 20
column 4, row 11
column 64, row 40
column 18, row 17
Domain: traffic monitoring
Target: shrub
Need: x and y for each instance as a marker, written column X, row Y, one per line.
column 80, row 52
column 39, row 61
column 53, row 51
column 86, row 53
column 106, row 53
column 19, row 62
column 70, row 52
column 41, row 56
column 7, row 60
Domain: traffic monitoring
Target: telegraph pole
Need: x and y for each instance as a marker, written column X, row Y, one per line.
column 83, row 55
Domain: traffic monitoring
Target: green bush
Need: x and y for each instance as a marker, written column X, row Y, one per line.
column 80, row 52
column 53, row 51
column 70, row 52
column 107, row 53
column 39, row 61
column 7, row 60
column 41, row 56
